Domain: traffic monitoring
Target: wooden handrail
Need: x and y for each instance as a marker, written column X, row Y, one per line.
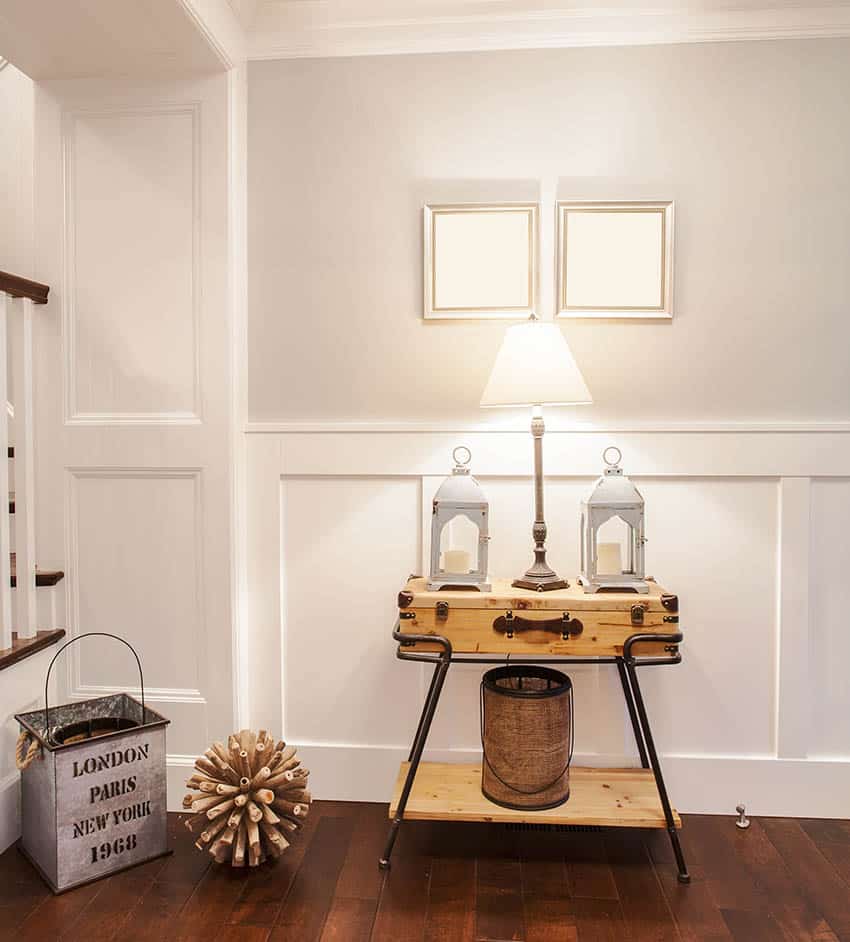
column 19, row 287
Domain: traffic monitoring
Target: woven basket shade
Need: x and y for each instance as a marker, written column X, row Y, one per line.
column 527, row 735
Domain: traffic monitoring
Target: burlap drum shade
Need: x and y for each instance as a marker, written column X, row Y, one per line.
column 527, row 736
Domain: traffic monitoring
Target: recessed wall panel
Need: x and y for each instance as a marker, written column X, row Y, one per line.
column 135, row 572
column 349, row 544
column 713, row 541
column 131, row 265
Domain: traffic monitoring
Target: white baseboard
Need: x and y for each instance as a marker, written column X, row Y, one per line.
column 10, row 810
column 178, row 769
column 697, row 784
column 768, row 786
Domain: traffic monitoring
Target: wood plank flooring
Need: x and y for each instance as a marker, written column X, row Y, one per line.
column 783, row 879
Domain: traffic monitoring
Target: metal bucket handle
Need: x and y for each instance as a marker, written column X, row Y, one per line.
column 88, row 634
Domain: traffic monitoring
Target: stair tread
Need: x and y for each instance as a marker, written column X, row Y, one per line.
column 25, row 647
column 43, row 577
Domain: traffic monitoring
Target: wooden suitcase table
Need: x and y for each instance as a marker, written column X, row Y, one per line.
column 566, row 626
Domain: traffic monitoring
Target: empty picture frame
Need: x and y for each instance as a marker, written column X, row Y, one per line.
column 615, row 259
column 480, row 260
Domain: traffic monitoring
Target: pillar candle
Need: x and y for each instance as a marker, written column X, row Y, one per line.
column 456, row 560
column 608, row 558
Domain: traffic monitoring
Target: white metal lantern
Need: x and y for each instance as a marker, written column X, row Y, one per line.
column 460, row 495
column 612, row 496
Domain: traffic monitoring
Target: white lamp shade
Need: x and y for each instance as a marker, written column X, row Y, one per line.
column 535, row 367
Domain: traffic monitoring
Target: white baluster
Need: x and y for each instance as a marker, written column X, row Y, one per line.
column 25, row 597
column 5, row 547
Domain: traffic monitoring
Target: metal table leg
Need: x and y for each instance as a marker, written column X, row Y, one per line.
column 631, row 669
column 630, row 703
column 432, row 687
column 422, row 730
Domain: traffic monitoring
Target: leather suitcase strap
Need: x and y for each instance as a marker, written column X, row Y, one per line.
column 563, row 625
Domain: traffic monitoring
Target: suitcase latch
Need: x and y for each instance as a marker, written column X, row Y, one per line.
column 670, row 602
column 442, row 610
column 637, row 614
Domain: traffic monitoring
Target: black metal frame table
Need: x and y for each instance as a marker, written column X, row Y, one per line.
column 627, row 666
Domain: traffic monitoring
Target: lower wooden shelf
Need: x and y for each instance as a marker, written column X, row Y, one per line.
column 605, row 797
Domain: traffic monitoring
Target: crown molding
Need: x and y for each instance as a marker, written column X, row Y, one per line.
column 286, row 29
column 219, row 24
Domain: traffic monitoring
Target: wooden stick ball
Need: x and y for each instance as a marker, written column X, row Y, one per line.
column 252, row 792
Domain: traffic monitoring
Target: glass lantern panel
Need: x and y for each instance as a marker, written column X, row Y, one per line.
column 460, row 533
column 613, row 547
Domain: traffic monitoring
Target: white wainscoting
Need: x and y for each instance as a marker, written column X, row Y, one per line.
column 22, row 690
column 747, row 527
column 120, row 524
column 135, row 231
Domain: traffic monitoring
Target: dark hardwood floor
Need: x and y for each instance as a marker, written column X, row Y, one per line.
column 782, row 879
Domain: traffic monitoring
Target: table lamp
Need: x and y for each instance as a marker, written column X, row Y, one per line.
column 535, row 367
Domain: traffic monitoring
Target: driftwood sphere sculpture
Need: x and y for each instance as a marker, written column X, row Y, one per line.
column 252, row 793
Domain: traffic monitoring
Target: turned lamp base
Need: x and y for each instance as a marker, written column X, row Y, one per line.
column 540, row 583
column 540, row 577
column 535, row 367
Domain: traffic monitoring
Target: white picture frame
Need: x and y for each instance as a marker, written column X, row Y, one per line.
column 480, row 260
column 614, row 259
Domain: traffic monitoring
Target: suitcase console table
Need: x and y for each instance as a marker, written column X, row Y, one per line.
column 566, row 626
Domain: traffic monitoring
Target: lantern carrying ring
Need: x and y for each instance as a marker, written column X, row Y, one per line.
column 616, row 461
column 457, row 461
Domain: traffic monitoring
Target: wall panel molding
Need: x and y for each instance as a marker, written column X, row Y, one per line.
column 138, row 492
column 573, row 454
column 152, row 694
column 77, row 689
column 552, row 426
column 73, row 414
column 793, row 690
column 742, row 495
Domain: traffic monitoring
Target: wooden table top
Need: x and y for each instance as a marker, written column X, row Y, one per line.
column 573, row 598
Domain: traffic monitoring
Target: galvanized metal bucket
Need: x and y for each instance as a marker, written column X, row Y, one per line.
column 93, row 802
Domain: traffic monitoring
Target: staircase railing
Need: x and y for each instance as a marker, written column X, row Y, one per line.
column 17, row 297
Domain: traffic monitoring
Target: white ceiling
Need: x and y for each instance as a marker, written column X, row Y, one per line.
column 76, row 38
column 64, row 39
